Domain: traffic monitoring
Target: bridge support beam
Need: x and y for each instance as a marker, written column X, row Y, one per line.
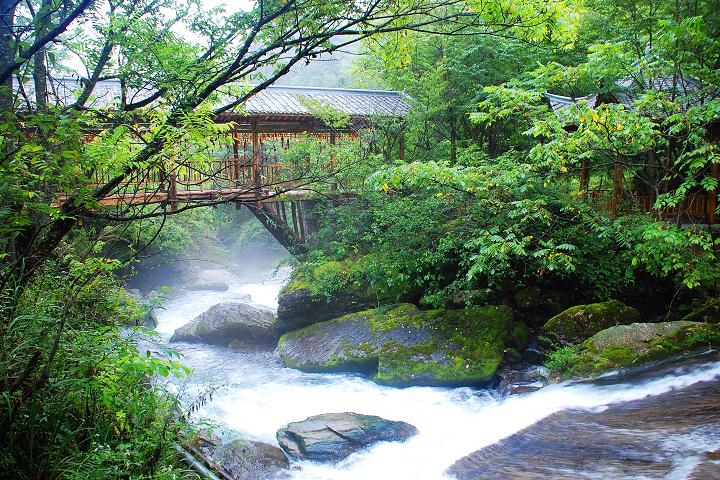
column 278, row 228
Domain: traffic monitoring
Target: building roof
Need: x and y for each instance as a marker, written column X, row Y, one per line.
column 689, row 92
column 558, row 101
column 356, row 103
column 273, row 100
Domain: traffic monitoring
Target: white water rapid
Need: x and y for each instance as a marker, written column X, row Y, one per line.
column 258, row 396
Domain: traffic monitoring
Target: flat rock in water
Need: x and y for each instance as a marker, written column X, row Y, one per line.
column 216, row 286
column 624, row 346
column 227, row 323
column 213, row 280
column 334, row 436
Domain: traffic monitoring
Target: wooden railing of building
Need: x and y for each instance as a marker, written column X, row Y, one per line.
column 699, row 206
column 249, row 162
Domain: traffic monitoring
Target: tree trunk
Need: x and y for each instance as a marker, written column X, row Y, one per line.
column 7, row 51
column 453, row 141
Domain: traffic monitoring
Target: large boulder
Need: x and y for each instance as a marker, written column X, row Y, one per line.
column 214, row 280
column 406, row 346
column 334, row 436
column 227, row 323
column 322, row 292
column 583, row 321
column 642, row 438
column 242, row 459
column 143, row 308
column 298, row 308
column 631, row 345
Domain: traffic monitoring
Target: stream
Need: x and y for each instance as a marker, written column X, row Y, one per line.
column 257, row 395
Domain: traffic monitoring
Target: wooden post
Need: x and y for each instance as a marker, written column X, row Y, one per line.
column 293, row 209
column 712, row 196
column 617, row 188
column 236, row 157
column 584, row 178
column 402, row 147
column 300, row 221
column 172, row 193
column 333, row 157
column 283, row 213
column 256, row 157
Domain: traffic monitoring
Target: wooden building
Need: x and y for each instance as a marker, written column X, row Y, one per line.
column 697, row 205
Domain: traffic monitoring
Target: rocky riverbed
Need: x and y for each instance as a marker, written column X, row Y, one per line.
column 457, row 432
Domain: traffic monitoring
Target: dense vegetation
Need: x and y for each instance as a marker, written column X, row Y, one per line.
column 489, row 201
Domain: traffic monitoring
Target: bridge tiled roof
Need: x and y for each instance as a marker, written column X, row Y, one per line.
column 273, row 100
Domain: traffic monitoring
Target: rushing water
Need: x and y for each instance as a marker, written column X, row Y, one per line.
column 258, row 396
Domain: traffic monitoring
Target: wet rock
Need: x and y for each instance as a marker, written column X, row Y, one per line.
column 535, row 304
column 213, row 280
column 405, row 346
column 299, row 308
column 334, row 436
column 514, row 381
column 671, row 435
column 226, row 323
column 251, row 460
column 146, row 316
column 631, row 345
column 240, row 458
column 305, row 300
column 583, row 321
column 216, row 286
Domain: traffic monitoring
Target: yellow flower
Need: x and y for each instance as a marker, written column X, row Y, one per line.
column 439, row 195
column 659, row 227
column 619, row 126
column 595, row 117
column 563, row 169
column 385, row 187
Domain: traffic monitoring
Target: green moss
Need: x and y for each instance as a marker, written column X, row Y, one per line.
column 325, row 279
column 520, row 336
column 587, row 359
column 400, row 366
column 512, row 356
column 467, row 347
column 583, row 321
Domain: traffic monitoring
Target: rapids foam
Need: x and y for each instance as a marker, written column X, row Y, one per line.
column 259, row 396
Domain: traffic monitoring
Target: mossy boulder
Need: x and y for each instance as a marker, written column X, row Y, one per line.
column 708, row 312
column 321, row 293
column 405, row 346
column 630, row 345
column 583, row 321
